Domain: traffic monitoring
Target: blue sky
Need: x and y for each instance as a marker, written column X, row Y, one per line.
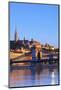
column 36, row 21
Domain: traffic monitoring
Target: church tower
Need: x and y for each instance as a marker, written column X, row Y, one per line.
column 16, row 36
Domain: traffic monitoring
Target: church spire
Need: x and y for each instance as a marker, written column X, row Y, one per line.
column 16, row 35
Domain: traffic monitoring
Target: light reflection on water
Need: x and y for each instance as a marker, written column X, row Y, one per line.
column 33, row 75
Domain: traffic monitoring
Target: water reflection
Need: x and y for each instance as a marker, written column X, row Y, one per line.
column 53, row 75
column 33, row 75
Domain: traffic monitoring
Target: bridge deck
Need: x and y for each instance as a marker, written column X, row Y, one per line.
column 33, row 61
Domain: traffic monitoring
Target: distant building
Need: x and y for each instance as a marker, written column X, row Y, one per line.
column 26, row 44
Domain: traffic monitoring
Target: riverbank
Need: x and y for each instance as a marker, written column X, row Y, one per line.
column 15, row 55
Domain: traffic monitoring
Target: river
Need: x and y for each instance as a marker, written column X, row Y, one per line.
column 34, row 75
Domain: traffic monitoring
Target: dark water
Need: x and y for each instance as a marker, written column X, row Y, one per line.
column 33, row 75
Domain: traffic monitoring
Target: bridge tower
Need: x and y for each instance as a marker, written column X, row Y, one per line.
column 33, row 53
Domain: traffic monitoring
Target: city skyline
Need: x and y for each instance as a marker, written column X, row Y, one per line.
column 36, row 21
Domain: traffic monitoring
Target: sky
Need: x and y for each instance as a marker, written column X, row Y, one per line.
column 36, row 21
